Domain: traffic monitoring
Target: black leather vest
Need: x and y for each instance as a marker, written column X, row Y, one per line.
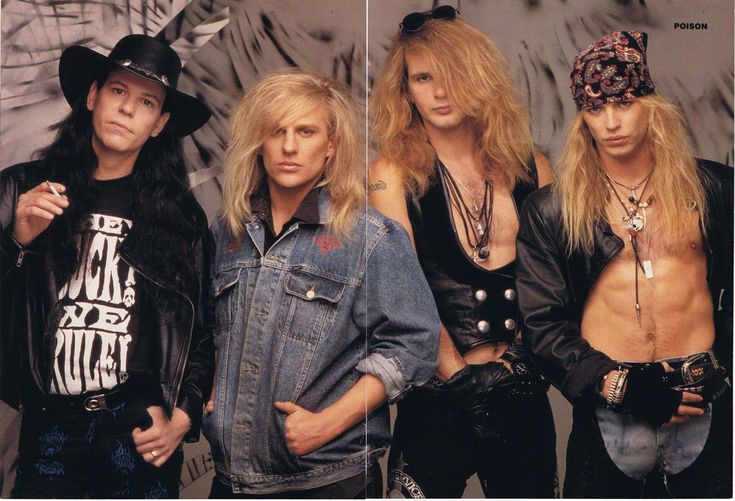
column 477, row 306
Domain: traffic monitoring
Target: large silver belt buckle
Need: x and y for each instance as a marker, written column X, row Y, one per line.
column 95, row 403
column 689, row 374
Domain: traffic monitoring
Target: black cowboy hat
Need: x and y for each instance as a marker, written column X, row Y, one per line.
column 144, row 56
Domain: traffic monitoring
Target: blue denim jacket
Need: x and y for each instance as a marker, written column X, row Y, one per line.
column 302, row 323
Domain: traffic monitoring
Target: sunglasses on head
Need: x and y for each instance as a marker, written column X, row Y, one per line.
column 415, row 20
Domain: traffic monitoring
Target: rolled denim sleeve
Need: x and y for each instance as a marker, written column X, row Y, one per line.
column 397, row 311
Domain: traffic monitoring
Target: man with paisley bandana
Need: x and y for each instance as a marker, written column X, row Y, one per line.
column 625, row 287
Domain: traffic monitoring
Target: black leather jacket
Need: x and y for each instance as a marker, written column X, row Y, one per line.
column 29, row 312
column 553, row 288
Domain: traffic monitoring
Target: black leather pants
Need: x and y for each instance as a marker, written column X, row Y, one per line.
column 437, row 447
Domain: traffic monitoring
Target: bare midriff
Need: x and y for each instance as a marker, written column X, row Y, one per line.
column 485, row 353
column 676, row 307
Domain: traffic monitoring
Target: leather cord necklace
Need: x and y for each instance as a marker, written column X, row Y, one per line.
column 634, row 222
column 477, row 222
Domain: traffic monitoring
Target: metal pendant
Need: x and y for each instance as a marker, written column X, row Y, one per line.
column 480, row 254
column 475, row 208
column 634, row 224
column 480, row 229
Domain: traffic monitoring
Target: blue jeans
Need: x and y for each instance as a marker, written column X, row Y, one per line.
column 366, row 485
column 68, row 452
column 596, row 471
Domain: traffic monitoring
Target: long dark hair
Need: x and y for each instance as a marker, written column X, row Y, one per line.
column 164, row 213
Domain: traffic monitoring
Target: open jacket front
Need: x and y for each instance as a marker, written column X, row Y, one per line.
column 553, row 288
column 302, row 322
column 30, row 311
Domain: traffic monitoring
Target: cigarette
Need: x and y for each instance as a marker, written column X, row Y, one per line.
column 51, row 187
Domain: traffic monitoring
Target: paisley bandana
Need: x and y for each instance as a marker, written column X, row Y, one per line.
column 611, row 70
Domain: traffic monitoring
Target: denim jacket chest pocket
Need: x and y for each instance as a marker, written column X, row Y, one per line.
column 225, row 297
column 310, row 305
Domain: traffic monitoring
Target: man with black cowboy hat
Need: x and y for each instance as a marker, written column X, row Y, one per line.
column 105, row 269
column 625, row 286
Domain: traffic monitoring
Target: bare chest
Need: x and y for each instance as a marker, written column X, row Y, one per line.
column 502, row 227
column 652, row 301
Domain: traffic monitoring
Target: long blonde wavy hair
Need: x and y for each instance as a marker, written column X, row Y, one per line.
column 283, row 97
column 474, row 76
column 584, row 193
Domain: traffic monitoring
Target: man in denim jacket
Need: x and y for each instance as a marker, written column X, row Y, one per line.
column 320, row 306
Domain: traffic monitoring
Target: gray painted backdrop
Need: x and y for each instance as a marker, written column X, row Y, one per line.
column 226, row 45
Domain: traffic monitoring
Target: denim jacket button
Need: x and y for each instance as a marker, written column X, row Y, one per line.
column 310, row 294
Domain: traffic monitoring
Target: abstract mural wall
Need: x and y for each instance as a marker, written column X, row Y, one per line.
column 226, row 45
column 539, row 39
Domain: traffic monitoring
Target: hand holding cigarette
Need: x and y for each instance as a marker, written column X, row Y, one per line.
column 52, row 188
column 36, row 209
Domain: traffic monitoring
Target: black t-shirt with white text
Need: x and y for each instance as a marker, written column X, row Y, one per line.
column 100, row 340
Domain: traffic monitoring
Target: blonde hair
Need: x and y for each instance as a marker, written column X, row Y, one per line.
column 584, row 193
column 284, row 96
column 473, row 73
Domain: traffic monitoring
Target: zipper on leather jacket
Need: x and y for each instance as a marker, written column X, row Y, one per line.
column 21, row 255
column 179, row 368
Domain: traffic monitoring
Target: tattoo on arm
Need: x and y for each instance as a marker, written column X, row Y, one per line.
column 380, row 185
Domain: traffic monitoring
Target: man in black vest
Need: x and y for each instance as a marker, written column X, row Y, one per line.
column 456, row 162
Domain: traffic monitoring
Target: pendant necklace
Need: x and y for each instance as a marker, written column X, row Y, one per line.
column 634, row 221
column 476, row 220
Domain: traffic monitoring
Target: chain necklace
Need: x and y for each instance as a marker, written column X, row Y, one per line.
column 634, row 221
column 477, row 220
column 471, row 193
column 635, row 186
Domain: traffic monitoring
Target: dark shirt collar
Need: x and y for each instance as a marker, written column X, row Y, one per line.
column 307, row 211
